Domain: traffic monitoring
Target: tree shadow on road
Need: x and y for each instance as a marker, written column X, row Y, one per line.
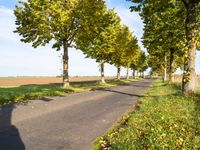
column 9, row 135
column 114, row 91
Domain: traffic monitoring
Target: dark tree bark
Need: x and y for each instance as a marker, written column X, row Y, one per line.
column 143, row 75
column 171, row 66
column 134, row 73
column 188, row 81
column 65, row 65
column 118, row 72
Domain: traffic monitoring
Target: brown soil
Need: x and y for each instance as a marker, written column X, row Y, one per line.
column 18, row 81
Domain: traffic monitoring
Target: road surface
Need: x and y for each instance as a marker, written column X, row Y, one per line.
column 68, row 122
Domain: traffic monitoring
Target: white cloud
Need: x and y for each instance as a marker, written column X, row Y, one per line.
column 7, row 25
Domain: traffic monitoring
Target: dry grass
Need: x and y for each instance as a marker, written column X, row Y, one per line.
column 178, row 79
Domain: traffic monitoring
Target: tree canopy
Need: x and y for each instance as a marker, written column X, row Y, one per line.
column 172, row 29
column 87, row 25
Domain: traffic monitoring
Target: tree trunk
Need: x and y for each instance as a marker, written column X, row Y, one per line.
column 102, row 72
column 137, row 74
column 171, row 66
column 134, row 73
column 65, row 65
column 165, row 69
column 118, row 73
column 127, row 73
column 188, row 82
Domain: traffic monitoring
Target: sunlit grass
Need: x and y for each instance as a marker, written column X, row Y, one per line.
column 165, row 120
column 23, row 93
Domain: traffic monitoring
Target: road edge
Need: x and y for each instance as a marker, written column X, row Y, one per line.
column 101, row 142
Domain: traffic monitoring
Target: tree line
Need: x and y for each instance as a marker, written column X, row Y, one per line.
column 171, row 36
column 87, row 25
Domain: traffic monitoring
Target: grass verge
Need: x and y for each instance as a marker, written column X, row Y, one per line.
column 165, row 120
column 21, row 94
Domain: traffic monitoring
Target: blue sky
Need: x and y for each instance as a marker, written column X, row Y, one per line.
column 20, row 59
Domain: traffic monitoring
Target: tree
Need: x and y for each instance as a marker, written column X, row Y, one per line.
column 192, row 24
column 129, row 49
column 164, row 33
column 139, row 64
column 124, row 48
column 142, row 63
column 132, row 53
column 58, row 21
column 189, row 19
column 118, row 47
column 98, row 44
column 156, row 66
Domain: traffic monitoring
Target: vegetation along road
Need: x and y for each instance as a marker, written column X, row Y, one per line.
column 67, row 122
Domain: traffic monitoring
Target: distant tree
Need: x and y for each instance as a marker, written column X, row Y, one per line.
column 124, row 49
column 98, row 44
column 164, row 31
column 153, row 62
column 129, row 50
column 118, row 48
column 139, row 63
column 142, row 63
column 132, row 53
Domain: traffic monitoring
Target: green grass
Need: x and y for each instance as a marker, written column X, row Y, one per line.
column 165, row 120
column 21, row 94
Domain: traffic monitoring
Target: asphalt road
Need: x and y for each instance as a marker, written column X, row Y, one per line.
column 69, row 122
